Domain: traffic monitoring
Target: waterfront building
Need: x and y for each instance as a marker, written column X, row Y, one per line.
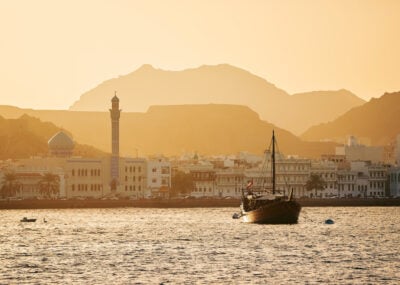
column 229, row 182
column 377, row 180
column 134, row 172
column 159, row 177
column 291, row 174
column 327, row 170
column 28, row 185
column 347, row 181
column 394, row 180
column 87, row 177
column 30, row 171
column 204, row 179
column 362, row 179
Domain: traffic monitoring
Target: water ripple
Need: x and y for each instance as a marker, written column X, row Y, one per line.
column 199, row 246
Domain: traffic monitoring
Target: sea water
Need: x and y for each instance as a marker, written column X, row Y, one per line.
column 199, row 246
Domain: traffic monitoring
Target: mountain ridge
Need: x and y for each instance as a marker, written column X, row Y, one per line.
column 218, row 84
column 27, row 136
column 174, row 130
column 377, row 119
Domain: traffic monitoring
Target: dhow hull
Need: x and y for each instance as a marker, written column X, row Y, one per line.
column 280, row 212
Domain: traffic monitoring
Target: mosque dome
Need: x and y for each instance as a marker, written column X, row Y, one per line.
column 61, row 144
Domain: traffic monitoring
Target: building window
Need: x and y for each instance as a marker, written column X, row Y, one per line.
column 73, row 172
column 165, row 170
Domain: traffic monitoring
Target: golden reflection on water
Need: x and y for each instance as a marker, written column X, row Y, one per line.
column 199, row 246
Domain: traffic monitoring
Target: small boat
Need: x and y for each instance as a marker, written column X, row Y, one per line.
column 236, row 216
column 329, row 222
column 26, row 220
column 267, row 206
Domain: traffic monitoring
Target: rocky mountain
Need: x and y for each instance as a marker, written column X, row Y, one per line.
column 377, row 120
column 27, row 136
column 175, row 130
column 220, row 84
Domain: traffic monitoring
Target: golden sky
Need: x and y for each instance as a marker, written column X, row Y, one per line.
column 53, row 51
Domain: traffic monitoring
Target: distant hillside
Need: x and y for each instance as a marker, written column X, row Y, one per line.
column 308, row 109
column 377, row 119
column 220, row 84
column 27, row 136
column 174, row 130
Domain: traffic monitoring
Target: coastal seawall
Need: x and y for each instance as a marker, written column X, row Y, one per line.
column 183, row 203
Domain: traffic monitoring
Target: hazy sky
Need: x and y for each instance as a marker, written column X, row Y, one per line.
column 52, row 51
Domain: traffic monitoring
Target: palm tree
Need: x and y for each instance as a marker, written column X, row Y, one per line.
column 182, row 183
column 10, row 185
column 49, row 185
column 315, row 182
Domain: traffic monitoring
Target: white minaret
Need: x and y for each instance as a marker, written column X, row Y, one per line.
column 115, row 113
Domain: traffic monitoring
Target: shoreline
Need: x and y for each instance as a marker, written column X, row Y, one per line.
column 185, row 203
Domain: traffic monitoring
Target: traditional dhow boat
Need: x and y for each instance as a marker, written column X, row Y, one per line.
column 266, row 205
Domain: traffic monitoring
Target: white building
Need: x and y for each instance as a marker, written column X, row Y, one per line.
column 230, row 182
column 31, row 171
column 394, row 180
column 362, row 180
column 204, row 180
column 377, row 180
column 291, row 175
column 158, row 177
column 327, row 170
column 354, row 151
column 87, row 178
